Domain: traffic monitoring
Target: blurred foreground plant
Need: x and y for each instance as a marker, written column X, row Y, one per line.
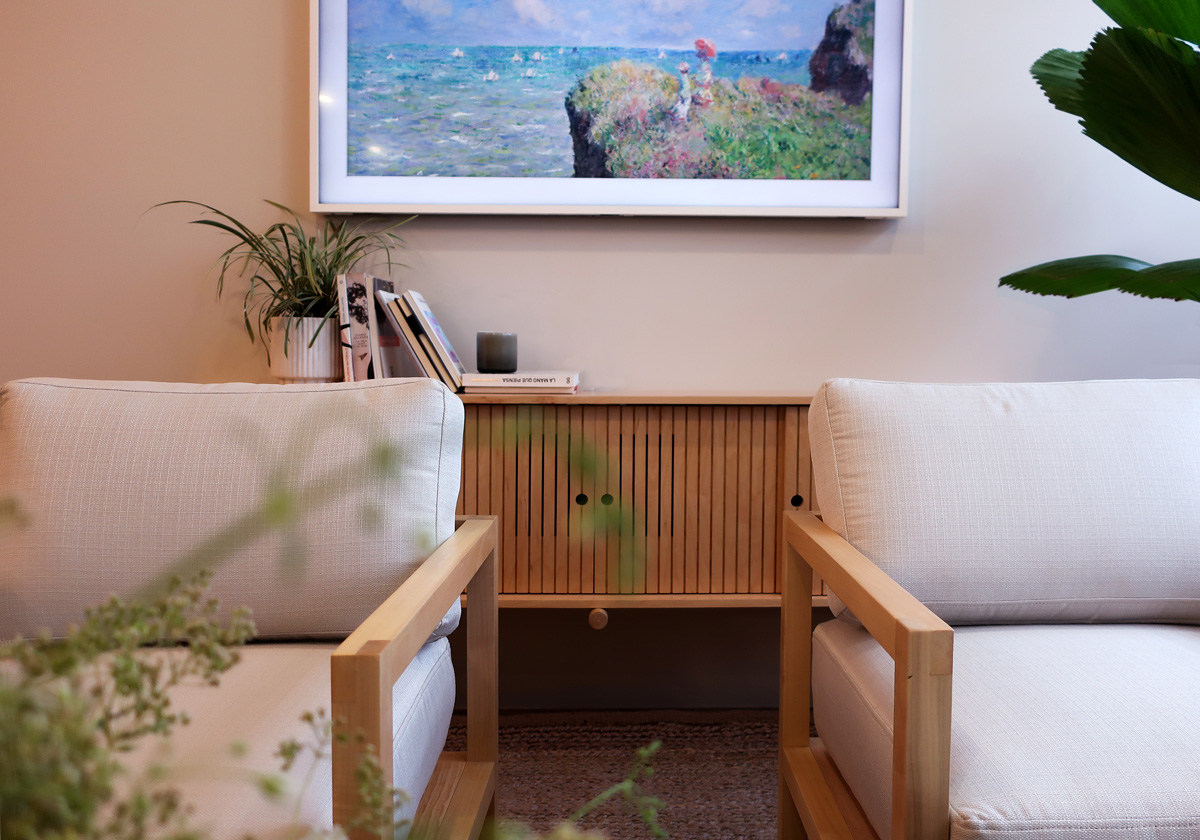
column 631, row 792
column 70, row 706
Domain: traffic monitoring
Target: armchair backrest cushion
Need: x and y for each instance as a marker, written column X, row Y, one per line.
column 114, row 481
column 999, row 503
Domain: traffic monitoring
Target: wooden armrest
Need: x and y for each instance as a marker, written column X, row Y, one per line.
column 920, row 643
column 884, row 607
column 367, row 664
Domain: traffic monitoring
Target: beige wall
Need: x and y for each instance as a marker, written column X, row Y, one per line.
column 108, row 108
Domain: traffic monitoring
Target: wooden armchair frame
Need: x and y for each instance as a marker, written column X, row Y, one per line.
column 814, row 801
column 460, row 799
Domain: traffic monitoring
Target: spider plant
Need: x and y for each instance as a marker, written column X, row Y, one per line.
column 293, row 273
column 1136, row 91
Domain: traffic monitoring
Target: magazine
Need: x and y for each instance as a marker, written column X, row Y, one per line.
column 358, row 304
column 344, row 329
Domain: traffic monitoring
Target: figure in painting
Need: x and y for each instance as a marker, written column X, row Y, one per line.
column 705, row 52
column 684, row 102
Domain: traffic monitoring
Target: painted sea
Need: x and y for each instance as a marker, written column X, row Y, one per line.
column 495, row 111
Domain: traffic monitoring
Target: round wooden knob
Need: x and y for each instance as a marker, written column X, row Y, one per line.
column 598, row 619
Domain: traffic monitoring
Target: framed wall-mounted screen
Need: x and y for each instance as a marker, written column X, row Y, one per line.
column 656, row 107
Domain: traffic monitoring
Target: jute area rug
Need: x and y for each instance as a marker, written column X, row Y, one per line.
column 716, row 771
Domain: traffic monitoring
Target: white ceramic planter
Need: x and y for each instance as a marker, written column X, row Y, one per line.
column 322, row 362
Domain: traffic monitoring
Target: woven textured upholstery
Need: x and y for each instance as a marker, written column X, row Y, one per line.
column 1058, row 731
column 117, row 479
column 1073, row 501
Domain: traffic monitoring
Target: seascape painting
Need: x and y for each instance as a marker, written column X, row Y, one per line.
column 744, row 90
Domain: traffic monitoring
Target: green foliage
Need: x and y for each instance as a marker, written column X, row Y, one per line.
column 293, row 273
column 11, row 514
column 1177, row 18
column 629, row 791
column 1140, row 91
column 69, row 707
column 283, row 507
column 1059, row 72
column 1088, row 275
column 1136, row 90
column 756, row 128
column 54, row 773
column 377, row 801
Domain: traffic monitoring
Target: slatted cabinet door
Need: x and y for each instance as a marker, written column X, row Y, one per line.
column 635, row 495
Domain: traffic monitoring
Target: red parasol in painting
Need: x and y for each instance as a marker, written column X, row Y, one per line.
column 703, row 45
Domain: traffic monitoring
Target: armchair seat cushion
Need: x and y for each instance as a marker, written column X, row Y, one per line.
column 258, row 705
column 1058, row 731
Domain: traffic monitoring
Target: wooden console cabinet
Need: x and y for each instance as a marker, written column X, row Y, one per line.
column 637, row 499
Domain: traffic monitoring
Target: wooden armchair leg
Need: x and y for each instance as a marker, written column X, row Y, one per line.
column 791, row 827
column 483, row 663
column 795, row 680
column 488, row 832
column 483, row 678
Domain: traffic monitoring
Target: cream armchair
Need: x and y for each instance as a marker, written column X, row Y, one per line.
column 1014, row 572
column 121, row 483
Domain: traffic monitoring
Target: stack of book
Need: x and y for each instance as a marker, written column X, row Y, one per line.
column 385, row 334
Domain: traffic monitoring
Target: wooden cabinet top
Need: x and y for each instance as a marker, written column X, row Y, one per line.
column 604, row 397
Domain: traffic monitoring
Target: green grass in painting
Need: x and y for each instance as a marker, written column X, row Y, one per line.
column 754, row 128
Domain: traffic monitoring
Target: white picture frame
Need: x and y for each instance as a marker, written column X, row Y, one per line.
column 334, row 188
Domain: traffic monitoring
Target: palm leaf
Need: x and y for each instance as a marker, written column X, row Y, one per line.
column 1058, row 74
column 1178, row 18
column 1101, row 273
column 1140, row 95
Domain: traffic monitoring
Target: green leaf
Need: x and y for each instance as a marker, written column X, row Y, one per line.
column 1076, row 276
column 1057, row 72
column 1174, row 280
column 1178, row 18
column 1101, row 273
column 1140, row 97
column 290, row 271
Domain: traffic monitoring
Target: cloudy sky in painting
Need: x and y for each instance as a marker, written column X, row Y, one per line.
column 670, row 24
